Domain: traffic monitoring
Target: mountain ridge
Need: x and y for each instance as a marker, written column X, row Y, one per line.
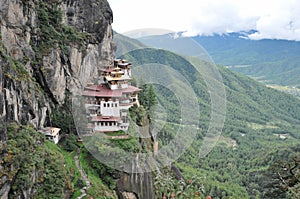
column 266, row 59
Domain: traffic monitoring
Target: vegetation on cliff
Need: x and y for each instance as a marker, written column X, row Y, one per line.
column 33, row 166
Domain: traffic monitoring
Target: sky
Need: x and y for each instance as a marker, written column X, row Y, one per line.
column 273, row 19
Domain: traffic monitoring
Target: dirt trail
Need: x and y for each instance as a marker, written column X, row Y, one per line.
column 83, row 175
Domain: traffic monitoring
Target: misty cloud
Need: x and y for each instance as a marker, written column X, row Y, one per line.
column 277, row 19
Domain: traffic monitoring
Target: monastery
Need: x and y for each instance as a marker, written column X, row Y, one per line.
column 107, row 103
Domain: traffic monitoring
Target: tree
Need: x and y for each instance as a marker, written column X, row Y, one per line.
column 151, row 95
column 284, row 179
column 147, row 96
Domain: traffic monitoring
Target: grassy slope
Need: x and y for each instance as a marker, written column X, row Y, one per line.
column 98, row 189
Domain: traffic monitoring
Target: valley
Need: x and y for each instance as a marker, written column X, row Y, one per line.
column 197, row 130
column 261, row 128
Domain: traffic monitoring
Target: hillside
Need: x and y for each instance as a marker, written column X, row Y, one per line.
column 261, row 127
column 126, row 44
column 271, row 61
column 51, row 49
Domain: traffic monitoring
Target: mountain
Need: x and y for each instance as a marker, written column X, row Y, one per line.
column 126, row 44
column 261, row 128
column 48, row 49
column 271, row 61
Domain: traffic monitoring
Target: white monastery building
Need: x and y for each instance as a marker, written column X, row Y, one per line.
column 107, row 103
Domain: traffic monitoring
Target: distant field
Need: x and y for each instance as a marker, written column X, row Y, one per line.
column 287, row 89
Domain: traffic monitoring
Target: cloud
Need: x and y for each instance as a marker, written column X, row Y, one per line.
column 282, row 23
column 277, row 19
column 219, row 17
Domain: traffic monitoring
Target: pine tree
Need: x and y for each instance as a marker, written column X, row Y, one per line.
column 151, row 95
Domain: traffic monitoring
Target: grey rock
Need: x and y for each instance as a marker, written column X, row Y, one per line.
column 30, row 101
column 29, row 91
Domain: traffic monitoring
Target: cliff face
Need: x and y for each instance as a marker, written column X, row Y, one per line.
column 48, row 49
column 136, row 185
column 44, row 58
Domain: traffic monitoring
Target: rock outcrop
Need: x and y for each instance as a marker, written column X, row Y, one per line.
column 136, row 185
column 35, row 74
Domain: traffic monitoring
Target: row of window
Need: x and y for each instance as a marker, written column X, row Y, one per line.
column 107, row 123
column 110, row 104
column 97, row 99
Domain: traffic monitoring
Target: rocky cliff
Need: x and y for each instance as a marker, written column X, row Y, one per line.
column 49, row 49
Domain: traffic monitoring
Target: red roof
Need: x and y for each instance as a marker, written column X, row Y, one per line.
column 101, row 91
column 96, row 87
column 131, row 89
column 110, row 93
column 105, row 119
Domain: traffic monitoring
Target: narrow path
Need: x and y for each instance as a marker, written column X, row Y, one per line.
column 83, row 175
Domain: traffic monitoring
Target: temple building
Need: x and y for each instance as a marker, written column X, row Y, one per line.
column 107, row 103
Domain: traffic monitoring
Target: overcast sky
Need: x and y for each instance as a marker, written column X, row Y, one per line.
column 279, row 19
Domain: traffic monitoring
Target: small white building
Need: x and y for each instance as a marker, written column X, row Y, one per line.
column 51, row 134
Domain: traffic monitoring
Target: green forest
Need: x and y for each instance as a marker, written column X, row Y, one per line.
column 260, row 134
